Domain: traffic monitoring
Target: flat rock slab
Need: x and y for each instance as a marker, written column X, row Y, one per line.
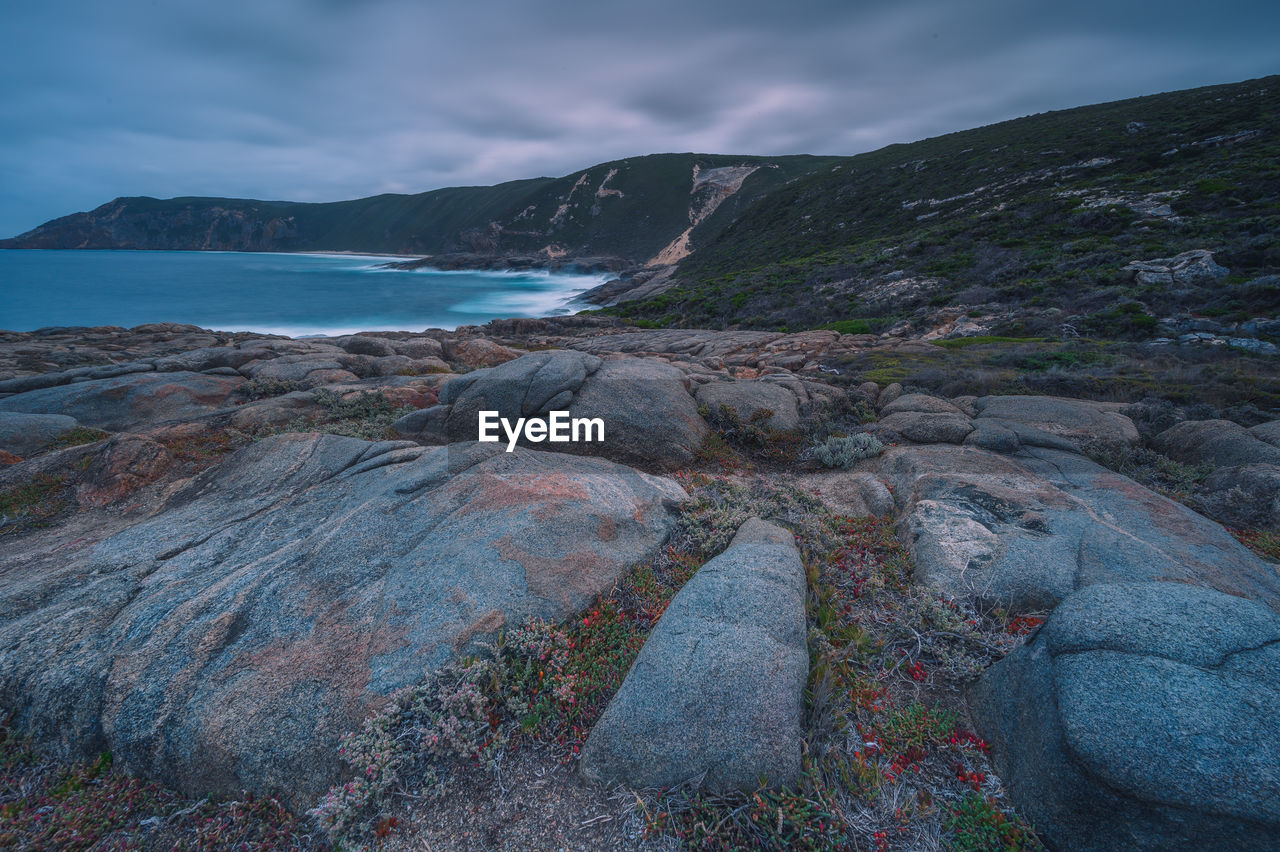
column 228, row 642
column 129, row 402
column 1025, row 531
column 1142, row 716
column 717, row 691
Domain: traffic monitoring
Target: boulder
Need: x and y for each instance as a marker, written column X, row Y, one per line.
column 889, row 394
column 1191, row 268
column 849, row 493
column 1220, row 443
column 23, row 434
column 230, row 640
column 649, row 416
column 919, row 402
column 1244, row 496
column 131, row 401
column 313, row 368
column 1078, row 421
column 717, row 691
column 1269, row 432
column 1025, row 532
column 1142, row 716
column 358, row 344
column 750, row 396
column 211, row 358
column 922, row 427
column 1010, row 436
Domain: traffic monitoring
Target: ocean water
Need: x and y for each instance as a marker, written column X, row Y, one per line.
column 293, row 294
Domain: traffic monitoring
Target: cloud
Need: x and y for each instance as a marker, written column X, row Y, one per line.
column 330, row 99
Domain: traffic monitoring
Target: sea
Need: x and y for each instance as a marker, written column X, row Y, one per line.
column 297, row 295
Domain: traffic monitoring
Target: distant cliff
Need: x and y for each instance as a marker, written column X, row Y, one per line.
column 640, row 209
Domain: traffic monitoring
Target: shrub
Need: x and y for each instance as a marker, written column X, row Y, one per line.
column 269, row 386
column 842, row 452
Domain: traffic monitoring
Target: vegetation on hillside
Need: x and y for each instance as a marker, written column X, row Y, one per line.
column 1042, row 211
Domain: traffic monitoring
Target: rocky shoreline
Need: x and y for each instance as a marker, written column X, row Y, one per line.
column 221, row 552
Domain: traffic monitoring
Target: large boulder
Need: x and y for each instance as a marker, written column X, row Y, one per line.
column 1269, row 432
column 1191, row 268
column 229, row 641
column 649, row 416
column 921, row 419
column 1142, row 716
column 1024, row 532
column 131, row 401
column 1243, row 496
column 1077, row 420
column 23, row 434
column 1220, row 443
column 748, row 397
column 717, row 691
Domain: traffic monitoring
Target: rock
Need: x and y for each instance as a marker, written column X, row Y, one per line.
column 1191, row 268
column 1010, row 436
column 717, row 691
column 125, row 464
column 418, row 348
column 210, row 358
column 1024, row 533
column 1142, row 716
column 229, row 641
column 889, row 394
column 750, row 396
column 23, row 384
column 1269, row 432
column 918, row 402
column 361, row 345
column 313, row 368
column 1220, row 443
column 649, row 416
column 854, row 494
column 1078, row 421
column 23, row 434
column 1246, row 496
column 478, row 352
column 922, row 428
column 130, row 401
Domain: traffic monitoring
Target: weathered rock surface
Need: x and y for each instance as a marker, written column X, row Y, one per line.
column 1183, row 270
column 1244, row 496
column 748, row 397
column 1027, row 531
column 922, row 419
column 23, row 434
column 1269, row 432
column 1220, row 443
column 649, row 415
column 717, row 691
column 130, row 401
column 229, row 641
column 1142, row 716
column 1078, row 421
column 124, row 464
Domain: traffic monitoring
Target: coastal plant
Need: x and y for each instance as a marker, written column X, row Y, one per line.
column 269, row 386
column 844, row 451
column 978, row 824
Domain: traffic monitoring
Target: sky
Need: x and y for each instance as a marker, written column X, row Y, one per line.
column 322, row 100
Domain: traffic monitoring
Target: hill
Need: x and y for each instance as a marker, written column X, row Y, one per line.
column 629, row 210
column 1043, row 211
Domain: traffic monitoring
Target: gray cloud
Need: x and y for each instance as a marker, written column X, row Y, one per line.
column 328, row 99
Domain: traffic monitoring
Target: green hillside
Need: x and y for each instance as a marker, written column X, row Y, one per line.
column 628, row 209
column 1043, row 210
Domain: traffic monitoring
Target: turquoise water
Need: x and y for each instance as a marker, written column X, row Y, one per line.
column 293, row 294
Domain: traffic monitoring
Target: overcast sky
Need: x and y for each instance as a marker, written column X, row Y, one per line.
column 318, row 100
